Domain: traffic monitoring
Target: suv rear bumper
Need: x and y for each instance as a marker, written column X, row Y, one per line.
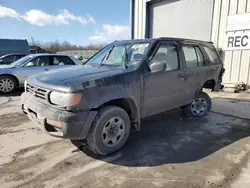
column 58, row 123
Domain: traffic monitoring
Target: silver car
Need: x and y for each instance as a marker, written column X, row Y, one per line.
column 13, row 76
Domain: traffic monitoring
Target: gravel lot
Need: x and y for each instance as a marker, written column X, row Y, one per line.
column 169, row 151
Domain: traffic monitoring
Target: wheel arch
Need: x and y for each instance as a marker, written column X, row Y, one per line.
column 129, row 106
column 209, row 84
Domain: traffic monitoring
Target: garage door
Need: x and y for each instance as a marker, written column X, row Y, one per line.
column 181, row 18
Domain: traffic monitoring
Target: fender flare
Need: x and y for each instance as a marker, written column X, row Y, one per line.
column 134, row 108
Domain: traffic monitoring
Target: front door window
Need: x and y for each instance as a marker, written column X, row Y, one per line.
column 167, row 53
column 40, row 61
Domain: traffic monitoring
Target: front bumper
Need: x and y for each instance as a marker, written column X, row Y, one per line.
column 71, row 125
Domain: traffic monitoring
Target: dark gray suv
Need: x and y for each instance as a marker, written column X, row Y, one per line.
column 100, row 102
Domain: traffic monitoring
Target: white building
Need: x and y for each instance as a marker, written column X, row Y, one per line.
column 224, row 22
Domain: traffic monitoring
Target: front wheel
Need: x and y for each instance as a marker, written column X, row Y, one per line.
column 200, row 106
column 109, row 130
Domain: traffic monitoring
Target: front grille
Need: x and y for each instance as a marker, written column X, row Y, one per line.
column 36, row 91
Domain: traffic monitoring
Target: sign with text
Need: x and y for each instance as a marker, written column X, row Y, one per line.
column 237, row 41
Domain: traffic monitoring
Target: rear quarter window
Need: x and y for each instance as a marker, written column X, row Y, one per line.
column 212, row 55
column 62, row 60
column 190, row 56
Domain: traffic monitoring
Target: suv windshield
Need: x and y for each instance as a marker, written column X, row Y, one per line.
column 125, row 54
column 21, row 61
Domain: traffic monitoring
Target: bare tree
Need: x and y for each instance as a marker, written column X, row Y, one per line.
column 57, row 46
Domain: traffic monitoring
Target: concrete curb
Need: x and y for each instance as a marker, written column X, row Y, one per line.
column 3, row 100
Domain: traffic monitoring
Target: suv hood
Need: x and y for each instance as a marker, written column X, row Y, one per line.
column 66, row 78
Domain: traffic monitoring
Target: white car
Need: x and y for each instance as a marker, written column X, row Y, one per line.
column 13, row 76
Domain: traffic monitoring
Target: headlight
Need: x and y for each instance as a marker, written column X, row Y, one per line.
column 65, row 99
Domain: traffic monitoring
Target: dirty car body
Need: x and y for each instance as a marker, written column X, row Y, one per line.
column 65, row 102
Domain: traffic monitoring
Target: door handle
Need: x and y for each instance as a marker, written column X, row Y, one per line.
column 181, row 76
column 191, row 74
column 46, row 69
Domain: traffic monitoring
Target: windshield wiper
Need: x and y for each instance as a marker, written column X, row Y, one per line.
column 125, row 62
column 107, row 55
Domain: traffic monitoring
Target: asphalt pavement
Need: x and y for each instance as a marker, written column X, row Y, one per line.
column 169, row 151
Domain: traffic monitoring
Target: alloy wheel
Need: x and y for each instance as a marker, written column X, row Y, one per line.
column 6, row 85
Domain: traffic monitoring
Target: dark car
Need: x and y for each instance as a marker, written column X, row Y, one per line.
column 10, row 58
column 126, row 81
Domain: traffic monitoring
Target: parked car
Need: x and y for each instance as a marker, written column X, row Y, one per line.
column 10, row 58
column 13, row 76
column 126, row 81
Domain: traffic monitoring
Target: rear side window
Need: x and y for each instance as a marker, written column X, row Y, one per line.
column 10, row 58
column 190, row 56
column 62, row 60
column 69, row 61
column 212, row 55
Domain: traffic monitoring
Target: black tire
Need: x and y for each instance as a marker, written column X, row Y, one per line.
column 94, row 137
column 14, row 82
column 188, row 111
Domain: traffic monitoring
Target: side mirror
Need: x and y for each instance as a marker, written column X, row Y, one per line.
column 30, row 64
column 158, row 66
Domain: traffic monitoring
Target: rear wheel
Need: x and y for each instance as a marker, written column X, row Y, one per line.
column 109, row 131
column 7, row 84
column 200, row 106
